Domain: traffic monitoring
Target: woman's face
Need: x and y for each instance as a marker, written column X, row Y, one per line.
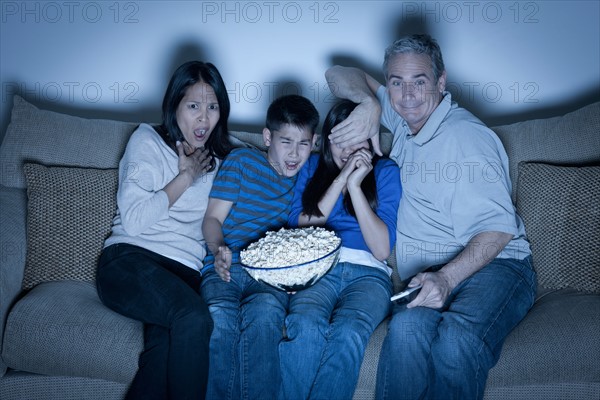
column 198, row 114
column 340, row 156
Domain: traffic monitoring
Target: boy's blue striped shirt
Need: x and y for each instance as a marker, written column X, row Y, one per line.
column 260, row 196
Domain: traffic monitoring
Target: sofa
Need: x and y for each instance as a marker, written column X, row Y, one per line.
column 58, row 183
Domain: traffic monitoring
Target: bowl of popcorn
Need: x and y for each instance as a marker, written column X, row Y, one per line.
column 292, row 259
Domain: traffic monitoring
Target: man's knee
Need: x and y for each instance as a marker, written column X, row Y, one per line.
column 410, row 324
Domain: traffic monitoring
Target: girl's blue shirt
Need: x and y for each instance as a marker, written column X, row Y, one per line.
column 389, row 191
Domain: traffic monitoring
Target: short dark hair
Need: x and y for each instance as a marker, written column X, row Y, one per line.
column 293, row 110
column 418, row 44
column 187, row 75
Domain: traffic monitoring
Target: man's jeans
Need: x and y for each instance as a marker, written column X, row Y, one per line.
column 328, row 328
column 447, row 354
column 163, row 294
column 248, row 326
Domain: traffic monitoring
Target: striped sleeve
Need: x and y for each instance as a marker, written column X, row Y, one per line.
column 260, row 197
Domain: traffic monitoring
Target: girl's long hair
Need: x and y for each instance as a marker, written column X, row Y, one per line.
column 327, row 171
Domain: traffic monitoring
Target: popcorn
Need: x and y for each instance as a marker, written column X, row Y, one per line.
column 291, row 258
column 289, row 247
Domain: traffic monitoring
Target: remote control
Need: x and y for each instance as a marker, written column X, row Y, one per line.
column 405, row 293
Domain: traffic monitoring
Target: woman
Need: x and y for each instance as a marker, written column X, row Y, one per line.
column 329, row 324
column 149, row 268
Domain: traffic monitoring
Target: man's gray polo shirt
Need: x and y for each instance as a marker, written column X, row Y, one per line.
column 455, row 184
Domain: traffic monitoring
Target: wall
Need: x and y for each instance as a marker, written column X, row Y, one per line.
column 506, row 60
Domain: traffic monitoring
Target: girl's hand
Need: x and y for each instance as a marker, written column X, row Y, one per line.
column 192, row 161
column 351, row 164
column 361, row 161
column 223, row 263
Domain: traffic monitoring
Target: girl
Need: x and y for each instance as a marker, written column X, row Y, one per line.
column 329, row 324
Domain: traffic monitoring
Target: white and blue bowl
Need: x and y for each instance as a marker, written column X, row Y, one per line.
column 293, row 278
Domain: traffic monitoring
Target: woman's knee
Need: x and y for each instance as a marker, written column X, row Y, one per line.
column 194, row 316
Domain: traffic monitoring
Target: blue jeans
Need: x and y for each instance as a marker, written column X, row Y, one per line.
column 248, row 318
column 447, row 353
column 163, row 294
column 328, row 328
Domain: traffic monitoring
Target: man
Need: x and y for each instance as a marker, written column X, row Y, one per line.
column 458, row 233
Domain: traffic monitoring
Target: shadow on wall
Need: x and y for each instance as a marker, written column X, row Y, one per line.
column 416, row 23
column 579, row 101
column 192, row 50
column 277, row 87
column 187, row 51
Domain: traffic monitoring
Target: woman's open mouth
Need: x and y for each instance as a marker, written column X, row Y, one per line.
column 200, row 134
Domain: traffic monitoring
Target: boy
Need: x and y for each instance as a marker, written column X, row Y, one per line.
column 250, row 196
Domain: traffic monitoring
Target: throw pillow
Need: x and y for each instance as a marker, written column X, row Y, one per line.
column 560, row 207
column 69, row 214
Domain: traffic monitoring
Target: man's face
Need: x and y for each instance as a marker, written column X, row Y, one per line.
column 289, row 148
column 414, row 93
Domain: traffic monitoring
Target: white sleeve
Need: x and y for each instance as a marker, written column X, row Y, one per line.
column 140, row 198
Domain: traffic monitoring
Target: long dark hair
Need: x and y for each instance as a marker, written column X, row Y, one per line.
column 327, row 170
column 188, row 74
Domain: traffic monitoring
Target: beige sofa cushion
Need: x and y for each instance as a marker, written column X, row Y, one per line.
column 63, row 329
column 571, row 139
column 553, row 353
column 52, row 138
column 69, row 214
column 561, row 210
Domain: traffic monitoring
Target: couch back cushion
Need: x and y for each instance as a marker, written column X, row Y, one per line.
column 52, row 138
column 572, row 139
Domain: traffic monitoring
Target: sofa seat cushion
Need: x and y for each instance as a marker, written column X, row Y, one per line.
column 13, row 211
column 555, row 344
column 18, row 385
column 62, row 328
column 365, row 387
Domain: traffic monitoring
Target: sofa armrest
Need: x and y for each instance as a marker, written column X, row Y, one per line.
column 13, row 250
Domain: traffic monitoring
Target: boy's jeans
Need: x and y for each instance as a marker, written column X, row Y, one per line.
column 248, row 325
column 446, row 354
column 328, row 328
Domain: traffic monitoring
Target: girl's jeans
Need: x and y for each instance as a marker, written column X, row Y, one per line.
column 328, row 328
